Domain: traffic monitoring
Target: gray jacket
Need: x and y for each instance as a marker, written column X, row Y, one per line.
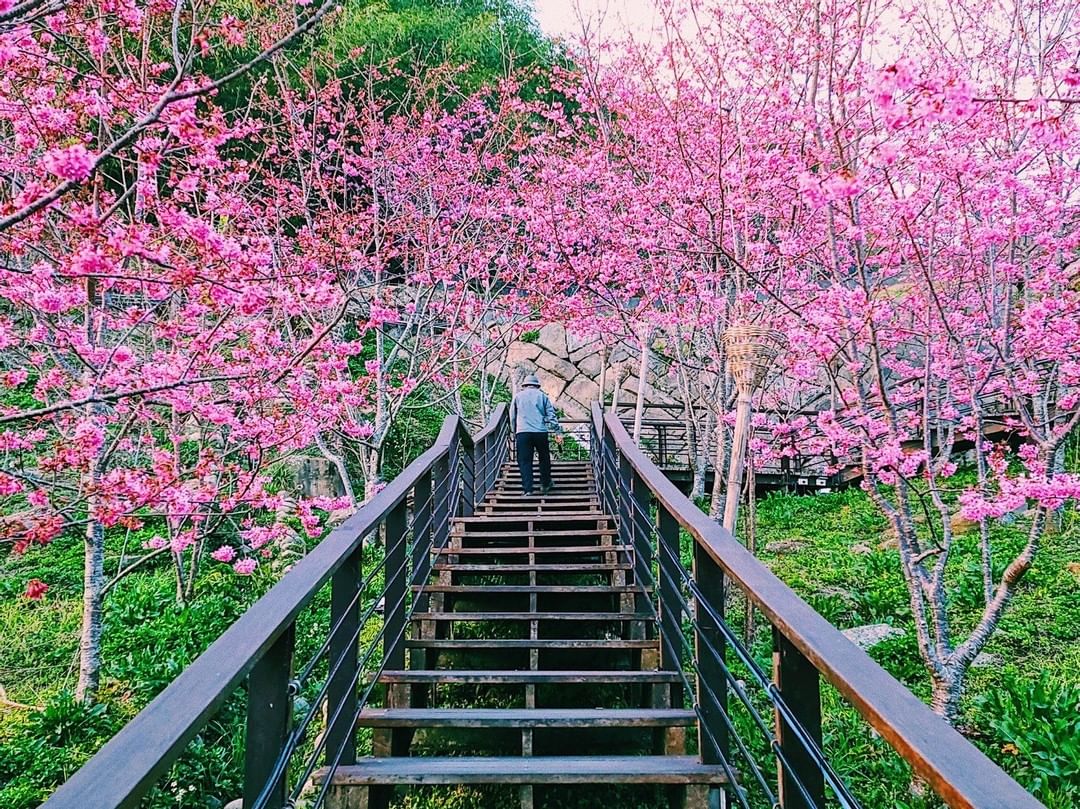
column 532, row 412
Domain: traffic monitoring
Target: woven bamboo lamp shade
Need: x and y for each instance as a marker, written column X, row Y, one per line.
column 750, row 352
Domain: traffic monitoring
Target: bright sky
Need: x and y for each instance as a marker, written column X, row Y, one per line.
column 564, row 17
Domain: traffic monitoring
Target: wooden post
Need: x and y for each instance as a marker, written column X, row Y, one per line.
column 799, row 685
column 396, row 587
column 670, row 610
column 344, row 644
column 269, row 712
column 735, row 468
column 468, row 478
column 713, row 699
column 440, row 525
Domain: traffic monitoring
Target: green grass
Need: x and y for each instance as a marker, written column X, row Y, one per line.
column 1037, row 640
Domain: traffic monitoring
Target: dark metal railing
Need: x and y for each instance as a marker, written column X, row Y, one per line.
column 411, row 517
column 765, row 728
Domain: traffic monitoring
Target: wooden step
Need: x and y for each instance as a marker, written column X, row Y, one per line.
column 525, row 718
column 432, row 770
column 532, row 504
column 524, row 589
column 450, row 617
column 547, row 516
column 522, row 550
column 600, row 567
column 542, row 531
column 508, row 677
column 599, row 645
column 516, row 497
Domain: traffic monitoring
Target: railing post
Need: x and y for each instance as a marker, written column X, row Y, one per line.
column 468, row 479
column 269, row 712
column 799, row 685
column 670, row 611
column 639, row 490
column 610, row 470
column 626, row 512
column 440, row 520
column 394, row 597
column 712, row 684
column 422, row 533
column 344, row 645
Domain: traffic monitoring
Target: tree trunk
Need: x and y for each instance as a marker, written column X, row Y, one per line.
column 90, row 636
column 948, row 687
column 719, row 464
column 643, row 377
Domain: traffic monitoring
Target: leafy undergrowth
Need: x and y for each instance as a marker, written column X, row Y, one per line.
column 1022, row 705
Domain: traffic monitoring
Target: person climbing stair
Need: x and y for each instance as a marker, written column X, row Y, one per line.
column 532, row 416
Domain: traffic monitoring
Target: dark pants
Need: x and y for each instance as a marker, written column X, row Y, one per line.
column 527, row 444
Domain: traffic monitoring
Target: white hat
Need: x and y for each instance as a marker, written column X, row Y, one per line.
column 531, row 381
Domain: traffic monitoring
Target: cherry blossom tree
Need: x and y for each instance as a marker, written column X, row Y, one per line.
column 895, row 189
column 190, row 293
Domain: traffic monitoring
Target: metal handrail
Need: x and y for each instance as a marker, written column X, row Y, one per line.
column 953, row 767
column 258, row 646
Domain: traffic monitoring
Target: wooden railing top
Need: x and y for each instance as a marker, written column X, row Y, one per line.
column 954, row 768
column 143, row 750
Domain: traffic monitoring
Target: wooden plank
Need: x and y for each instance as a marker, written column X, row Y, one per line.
column 533, row 516
column 525, row 616
column 599, row 567
column 431, row 770
column 544, row 531
column 584, row 589
column 524, row 718
column 509, row 677
column 530, row 643
column 582, row 550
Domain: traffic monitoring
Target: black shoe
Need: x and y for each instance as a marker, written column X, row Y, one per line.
column 547, row 489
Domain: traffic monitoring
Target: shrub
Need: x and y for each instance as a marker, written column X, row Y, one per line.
column 1034, row 729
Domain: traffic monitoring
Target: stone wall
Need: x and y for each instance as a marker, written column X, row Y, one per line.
column 568, row 367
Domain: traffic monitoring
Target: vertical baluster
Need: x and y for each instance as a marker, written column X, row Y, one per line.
column 670, row 611
column 394, row 605
column 269, row 710
column 341, row 690
column 712, row 685
column 800, row 686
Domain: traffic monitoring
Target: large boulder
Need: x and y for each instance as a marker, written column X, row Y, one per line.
column 558, row 366
column 590, row 365
column 551, row 384
column 576, row 343
column 872, row 634
column 553, row 339
column 583, row 391
column 521, row 353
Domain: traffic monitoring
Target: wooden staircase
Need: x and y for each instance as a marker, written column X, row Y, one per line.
column 532, row 662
